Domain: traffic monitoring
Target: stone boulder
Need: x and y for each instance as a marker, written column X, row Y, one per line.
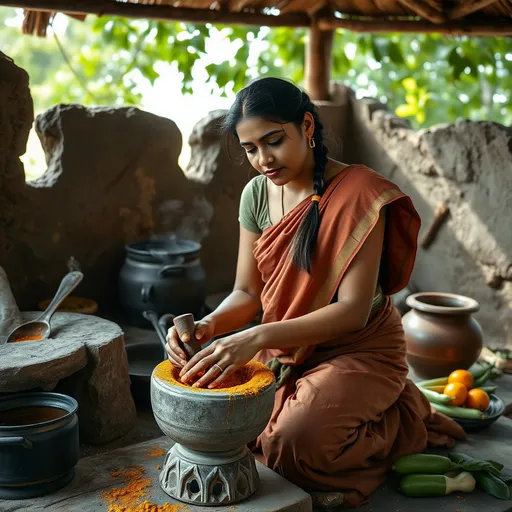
column 220, row 171
column 16, row 117
column 109, row 172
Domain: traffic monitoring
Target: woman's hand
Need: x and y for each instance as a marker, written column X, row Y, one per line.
column 204, row 330
column 222, row 358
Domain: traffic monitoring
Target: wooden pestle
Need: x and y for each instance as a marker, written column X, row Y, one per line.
column 186, row 324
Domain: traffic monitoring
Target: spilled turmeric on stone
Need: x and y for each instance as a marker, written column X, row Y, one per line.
column 145, row 506
column 156, row 451
column 251, row 379
column 132, row 492
column 128, row 498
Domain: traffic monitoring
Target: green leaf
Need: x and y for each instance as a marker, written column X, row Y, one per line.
column 395, row 53
column 492, row 484
column 469, row 463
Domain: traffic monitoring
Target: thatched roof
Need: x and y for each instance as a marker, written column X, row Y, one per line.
column 447, row 16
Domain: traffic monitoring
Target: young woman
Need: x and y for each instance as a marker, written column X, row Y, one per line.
column 323, row 245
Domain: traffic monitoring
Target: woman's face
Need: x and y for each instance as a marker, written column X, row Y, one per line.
column 279, row 151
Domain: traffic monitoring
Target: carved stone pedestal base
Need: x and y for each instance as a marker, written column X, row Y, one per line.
column 201, row 478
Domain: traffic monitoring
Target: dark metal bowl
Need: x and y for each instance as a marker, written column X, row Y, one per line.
column 493, row 412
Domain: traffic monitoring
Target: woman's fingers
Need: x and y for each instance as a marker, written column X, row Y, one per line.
column 173, row 358
column 173, row 343
column 194, row 360
column 214, row 371
column 217, row 383
column 200, row 367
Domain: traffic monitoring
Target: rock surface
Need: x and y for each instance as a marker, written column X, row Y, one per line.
column 109, row 172
column 467, row 166
column 85, row 358
column 9, row 312
column 220, row 172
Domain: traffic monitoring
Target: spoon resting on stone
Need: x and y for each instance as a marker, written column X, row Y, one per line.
column 40, row 329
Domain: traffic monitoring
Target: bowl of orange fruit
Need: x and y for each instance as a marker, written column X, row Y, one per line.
column 465, row 396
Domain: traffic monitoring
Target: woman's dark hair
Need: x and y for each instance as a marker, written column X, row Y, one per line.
column 281, row 101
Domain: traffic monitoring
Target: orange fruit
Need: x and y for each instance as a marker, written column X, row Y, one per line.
column 462, row 376
column 457, row 391
column 477, row 399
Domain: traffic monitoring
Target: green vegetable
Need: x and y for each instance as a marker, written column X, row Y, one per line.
column 436, row 485
column 492, row 484
column 437, row 389
column 424, row 463
column 441, row 381
column 459, row 412
column 435, row 397
column 480, row 381
column 488, row 389
column 480, row 370
column 469, row 463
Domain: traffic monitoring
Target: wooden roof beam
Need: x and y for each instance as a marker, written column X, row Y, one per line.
column 466, row 8
column 162, row 12
column 424, row 10
column 497, row 27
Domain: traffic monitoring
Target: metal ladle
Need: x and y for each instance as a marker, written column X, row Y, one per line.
column 40, row 329
column 153, row 318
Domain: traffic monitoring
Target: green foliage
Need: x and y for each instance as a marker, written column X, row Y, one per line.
column 427, row 78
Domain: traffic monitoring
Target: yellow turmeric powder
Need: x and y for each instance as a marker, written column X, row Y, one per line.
column 156, row 451
column 128, row 498
column 251, row 379
column 133, row 489
column 145, row 506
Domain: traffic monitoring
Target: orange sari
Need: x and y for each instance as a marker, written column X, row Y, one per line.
column 348, row 410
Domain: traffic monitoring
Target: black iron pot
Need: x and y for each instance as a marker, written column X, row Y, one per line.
column 163, row 275
column 39, row 444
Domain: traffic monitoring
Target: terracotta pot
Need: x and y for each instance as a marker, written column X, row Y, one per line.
column 440, row 333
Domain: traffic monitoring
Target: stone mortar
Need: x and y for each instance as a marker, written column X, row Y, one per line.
column 210, row 463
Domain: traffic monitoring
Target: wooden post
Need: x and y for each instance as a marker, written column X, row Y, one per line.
column 318, row 62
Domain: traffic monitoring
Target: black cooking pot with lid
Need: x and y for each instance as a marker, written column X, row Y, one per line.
column 164, row 275
column 39, row 443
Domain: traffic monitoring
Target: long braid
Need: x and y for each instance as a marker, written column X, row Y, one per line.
column 305, row 238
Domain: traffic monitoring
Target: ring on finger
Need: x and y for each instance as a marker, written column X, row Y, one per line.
column 218, row 366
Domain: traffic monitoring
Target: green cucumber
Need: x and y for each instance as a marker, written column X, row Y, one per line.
column 419, row 486
column 459, row 412
column 435, row 397
column 423, row 463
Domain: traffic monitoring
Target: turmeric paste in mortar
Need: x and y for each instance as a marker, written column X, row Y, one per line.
column 248, row 380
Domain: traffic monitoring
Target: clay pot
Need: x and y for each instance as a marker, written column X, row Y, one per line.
column 440, row 333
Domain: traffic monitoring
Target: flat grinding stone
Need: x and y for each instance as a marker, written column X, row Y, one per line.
column 30, row 364
column 85, row 357
column 93, row 478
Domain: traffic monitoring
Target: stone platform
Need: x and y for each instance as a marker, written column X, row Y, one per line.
column 85, row 357
column 93, row 478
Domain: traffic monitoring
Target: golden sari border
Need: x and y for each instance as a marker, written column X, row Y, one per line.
column 343, row 259
column 350, row 248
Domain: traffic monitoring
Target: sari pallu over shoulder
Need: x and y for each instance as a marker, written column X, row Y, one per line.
column 349, row 209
